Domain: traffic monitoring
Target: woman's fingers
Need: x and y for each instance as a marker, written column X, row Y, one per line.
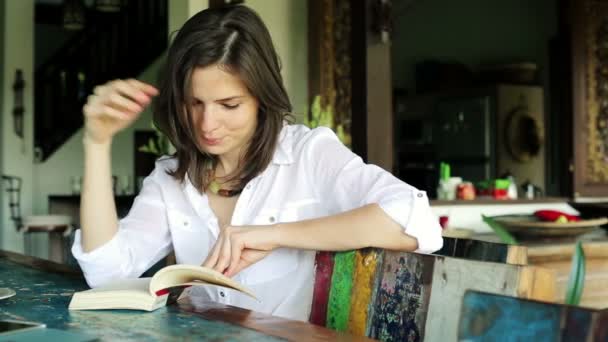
column 131, row 90
column 236, row 249
column 99, row 111
column 247, row 258
column 123, row 103
column 146, row 88
column 223, row 260
column 215, row 253
column 129, row 96
column 115, row 105
column 236, row 246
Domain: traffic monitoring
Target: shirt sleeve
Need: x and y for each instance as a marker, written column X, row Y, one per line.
column 344, row 182
column 142, row 240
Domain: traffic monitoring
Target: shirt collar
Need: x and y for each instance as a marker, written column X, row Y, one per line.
column 284, row 151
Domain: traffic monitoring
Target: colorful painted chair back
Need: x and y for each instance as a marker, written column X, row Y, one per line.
column 396, row 296
column 492, row 317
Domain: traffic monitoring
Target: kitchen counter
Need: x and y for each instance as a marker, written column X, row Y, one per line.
column 491, row 201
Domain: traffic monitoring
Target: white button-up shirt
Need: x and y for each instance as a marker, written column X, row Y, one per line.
column 312, row 174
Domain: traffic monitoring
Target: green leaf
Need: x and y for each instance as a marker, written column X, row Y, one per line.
column 327, row 117
column 316, row 108
column 576, row 281
column 150, row 147
column 144, row 149
column 502, row 233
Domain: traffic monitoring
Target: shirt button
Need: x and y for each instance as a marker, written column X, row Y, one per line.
column 222, row 294
column 271, row 219
column 248, row 186
column 185, row 223
column 420, row 195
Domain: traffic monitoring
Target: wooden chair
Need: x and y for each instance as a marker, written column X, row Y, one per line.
column 484, row 251
column 396, row 296
column 493, row 317
column 58, row 227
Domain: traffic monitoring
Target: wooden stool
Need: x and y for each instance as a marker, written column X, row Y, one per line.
column 58, row 227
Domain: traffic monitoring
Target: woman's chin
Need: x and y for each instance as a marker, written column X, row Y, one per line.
column 214, row 149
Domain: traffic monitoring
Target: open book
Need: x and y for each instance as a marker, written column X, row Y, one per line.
column 150, row 293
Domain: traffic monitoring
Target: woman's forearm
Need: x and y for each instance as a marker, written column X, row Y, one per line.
column 98, row 218
column 368, row 226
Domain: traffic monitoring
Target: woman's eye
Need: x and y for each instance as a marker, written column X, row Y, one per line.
column 227, row 106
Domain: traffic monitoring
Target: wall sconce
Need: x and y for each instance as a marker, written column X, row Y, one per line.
column 108, row 5
column 18, row 109
column 382, row 21
column 221, row 3
column 73, row 15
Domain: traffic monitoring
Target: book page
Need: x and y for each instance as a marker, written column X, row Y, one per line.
column 181, row 275
column 138, row 285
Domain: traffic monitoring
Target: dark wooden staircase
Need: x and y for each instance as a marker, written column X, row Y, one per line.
column 112, row 45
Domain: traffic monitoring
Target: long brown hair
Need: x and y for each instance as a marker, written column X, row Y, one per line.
column 235, row 38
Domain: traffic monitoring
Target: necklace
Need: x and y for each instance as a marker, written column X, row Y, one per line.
column 215, row 187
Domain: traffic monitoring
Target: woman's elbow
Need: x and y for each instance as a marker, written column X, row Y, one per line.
column 430, row 243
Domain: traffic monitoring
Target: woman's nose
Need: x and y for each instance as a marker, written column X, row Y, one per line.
column 210, row 121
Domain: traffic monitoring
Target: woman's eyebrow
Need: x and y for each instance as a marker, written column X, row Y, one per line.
column 230, row 98
column 221, row 100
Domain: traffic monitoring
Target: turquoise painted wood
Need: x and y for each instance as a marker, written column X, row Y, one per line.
column 492, row 317
column 44, row 297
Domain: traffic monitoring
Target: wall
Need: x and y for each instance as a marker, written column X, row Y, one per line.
column 473, row 32
column 17, row 155
column 2, row 200
column 287, row 23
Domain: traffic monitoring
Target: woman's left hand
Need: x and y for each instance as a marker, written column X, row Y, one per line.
column 239, row 247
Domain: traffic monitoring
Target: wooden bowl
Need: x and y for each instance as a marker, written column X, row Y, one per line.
column 531, row 226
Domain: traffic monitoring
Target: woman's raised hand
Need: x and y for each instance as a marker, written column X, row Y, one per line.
column 114, row 106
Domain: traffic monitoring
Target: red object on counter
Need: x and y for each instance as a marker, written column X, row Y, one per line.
column 443, row 221
column 465, row 191
column 500, row 194
column 553, row 215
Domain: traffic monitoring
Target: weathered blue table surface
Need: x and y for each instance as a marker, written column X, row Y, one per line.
column 44, row 297
column 44, row 290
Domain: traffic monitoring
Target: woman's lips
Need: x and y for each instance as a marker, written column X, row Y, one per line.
column 211, row 142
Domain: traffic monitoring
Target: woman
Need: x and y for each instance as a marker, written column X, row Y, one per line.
column 245, row 193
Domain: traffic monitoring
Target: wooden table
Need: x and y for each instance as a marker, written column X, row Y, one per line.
column 44, row 290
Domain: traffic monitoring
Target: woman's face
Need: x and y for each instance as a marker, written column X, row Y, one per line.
column 223, row 111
